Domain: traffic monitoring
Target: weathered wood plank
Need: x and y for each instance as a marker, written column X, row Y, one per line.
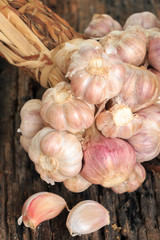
column 134, row 216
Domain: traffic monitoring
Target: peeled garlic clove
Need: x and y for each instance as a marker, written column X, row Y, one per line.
column 58, row 154
column 101, row 25
column 77, row 184
column 129, row 45
column 61, row 110
column 145, row 19
column 118, row 121
column 40, row 207
column 31, row 121
column 87, row 217
column 95, row 75
column 134, row 181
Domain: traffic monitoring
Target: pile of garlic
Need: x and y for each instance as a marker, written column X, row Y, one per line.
column 102, row 120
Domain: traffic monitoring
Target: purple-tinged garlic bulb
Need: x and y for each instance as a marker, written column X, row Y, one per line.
column 87, row 217
column 101, row 25
column 107, row 161
column 118, row 121
column 134, row 181
column 129, row 45
column 95, row 76
column 140, row 89
column 145, row 19
column 146, row 142
column 77, row 184
column 56, row 155
column 62, row 111
column 40, row 207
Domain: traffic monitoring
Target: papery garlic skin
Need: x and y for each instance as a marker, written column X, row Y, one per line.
column 107, row 161
column 95, row 75
column 154, row 49
column 40, row 207
column 61, row 110
column 57, row 155
column 145, row 19
column 62, row 54
column 118, row 122
column 140, row 89
column 25, row 142
column 31, row 121
column 87, row 217
column 146, row 142
column 101, row 25
column 77, row 184
column 134, row 181
column 129, row 45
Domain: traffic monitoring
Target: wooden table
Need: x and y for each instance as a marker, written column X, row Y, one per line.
column 134, row 216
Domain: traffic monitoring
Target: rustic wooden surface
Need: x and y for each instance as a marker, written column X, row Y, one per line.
column 134, row 216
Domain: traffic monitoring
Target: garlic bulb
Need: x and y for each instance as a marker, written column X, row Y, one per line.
column 101, row 25
column 61, row 110
column 154, row 50
column 140, row 89
column 57, row 155
column 147, row 141
column 76, row 184
column 95, row 75
column 118, row 121
column 145, row 19
column 31, row 121
column 130, row 44
column 107, row 161
column 25, row 142
column 40, row 207
column 63, row 52
column 87, row 217
column 134, row 181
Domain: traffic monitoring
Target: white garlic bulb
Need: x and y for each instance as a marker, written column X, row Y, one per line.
column 95, row 76
column 145, row 19
column 61, row 110
column 87, row 217
column 101, row 25
column 57, row 155
column 129, row 45
column 31, row 121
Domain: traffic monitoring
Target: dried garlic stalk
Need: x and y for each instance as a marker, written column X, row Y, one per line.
column 28, row 32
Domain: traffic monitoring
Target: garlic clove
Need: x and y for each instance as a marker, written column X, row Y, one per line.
column 40, row 207
column 77, row 184
column 87, row 217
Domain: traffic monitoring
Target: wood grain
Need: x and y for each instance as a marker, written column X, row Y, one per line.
column 134, row 216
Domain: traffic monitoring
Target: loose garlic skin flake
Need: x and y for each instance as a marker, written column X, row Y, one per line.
column 87, row 217
column 40, row 207
column 145, row 19
column 101, row 25
column 57, row 155
column 61, row 110
column 129, row 45
column 95, row 76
